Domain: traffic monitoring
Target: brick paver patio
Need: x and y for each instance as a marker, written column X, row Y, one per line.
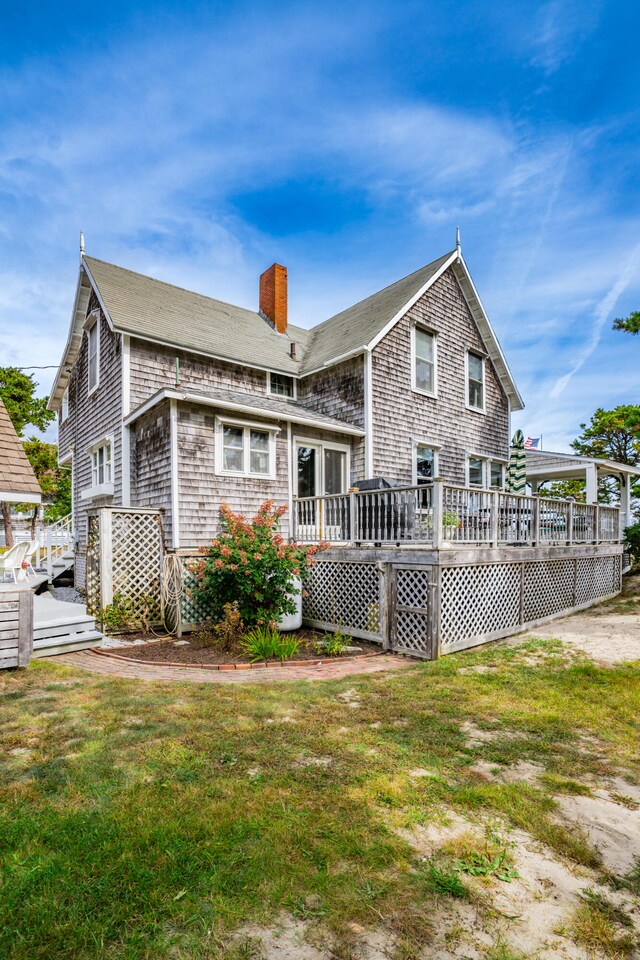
column 97, row 663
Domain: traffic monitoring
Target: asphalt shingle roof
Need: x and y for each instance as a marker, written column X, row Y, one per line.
column 16, row 473
column 155, row 310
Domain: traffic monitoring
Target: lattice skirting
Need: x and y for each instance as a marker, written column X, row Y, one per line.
column 137, row 558
column 412, row 610
column 484, row 602
column 343, row 595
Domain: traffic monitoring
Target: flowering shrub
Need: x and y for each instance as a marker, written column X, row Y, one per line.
column 251, row 564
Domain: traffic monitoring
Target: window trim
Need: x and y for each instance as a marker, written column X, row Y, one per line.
column 93, row 323
column 64, row 405
column 436, row 447
column 414, row 357
column 107, row 488
column 321, row 445
column 486, row 460
column 280, row 396
column 483, row 359
column 247, row 426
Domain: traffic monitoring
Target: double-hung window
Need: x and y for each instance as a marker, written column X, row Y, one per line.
column 93, row 354
column 246, row 450
column 475, row 471
column 496, row 470
column 475, row 381
column 101, row 465
column 424, row 361
column 426, row 460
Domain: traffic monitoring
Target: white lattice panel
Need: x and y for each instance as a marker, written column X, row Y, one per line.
column 411, row 630
column 193, row 609
column 345, row 595
column 548, row 588
column 478, row 600
column 596, row 577
column 136, row 541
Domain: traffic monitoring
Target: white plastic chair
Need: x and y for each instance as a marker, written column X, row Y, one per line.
column 11, row 561
column 32, row 549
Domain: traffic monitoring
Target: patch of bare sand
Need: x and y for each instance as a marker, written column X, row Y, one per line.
column 606, row 638
column 285, row 940
column 477, row 736
column 523, row 770
column 612, row 828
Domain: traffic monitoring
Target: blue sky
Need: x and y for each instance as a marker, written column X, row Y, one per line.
column 199, row 142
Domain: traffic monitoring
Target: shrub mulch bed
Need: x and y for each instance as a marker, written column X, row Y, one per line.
column 166, row 650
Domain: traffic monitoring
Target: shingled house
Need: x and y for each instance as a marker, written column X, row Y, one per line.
column 170, row 399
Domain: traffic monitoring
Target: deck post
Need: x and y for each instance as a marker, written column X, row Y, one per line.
column 438, row 484
column 386, row 601
column 25, row 627
column 570, row 523
column 294, row 519
column 495, row 517
column 353, row 518
column 597, row 523
column 106, row 557
column 535, row 531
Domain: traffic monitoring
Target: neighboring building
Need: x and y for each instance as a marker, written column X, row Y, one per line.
column 18, row 483
column 170, row 399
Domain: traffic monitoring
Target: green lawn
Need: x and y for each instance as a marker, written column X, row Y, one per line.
column 142, row 820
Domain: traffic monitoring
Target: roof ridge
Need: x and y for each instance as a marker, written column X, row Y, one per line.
column 376, row 293
column 174, row 286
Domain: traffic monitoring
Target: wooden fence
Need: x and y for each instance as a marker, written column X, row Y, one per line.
column 16, row 626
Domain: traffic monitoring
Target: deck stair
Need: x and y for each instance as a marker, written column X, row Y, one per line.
column 58, row 547
column 61, row 627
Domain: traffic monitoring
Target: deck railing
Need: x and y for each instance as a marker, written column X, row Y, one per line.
column 440, row 513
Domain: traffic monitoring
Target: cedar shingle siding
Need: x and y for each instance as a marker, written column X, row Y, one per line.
column 402, row 416
column 92, row 418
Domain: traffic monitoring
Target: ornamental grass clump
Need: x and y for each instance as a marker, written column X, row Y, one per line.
column 251, row 565
column 267, row 643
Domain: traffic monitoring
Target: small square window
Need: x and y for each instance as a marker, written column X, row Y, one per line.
column 280, row 385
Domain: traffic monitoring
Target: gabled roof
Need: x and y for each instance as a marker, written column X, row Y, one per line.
column 356, row 327
column 155, row 310
column 17, row 479
column 142, row 307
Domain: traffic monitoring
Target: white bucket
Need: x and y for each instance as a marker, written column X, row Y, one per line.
column 293, row 621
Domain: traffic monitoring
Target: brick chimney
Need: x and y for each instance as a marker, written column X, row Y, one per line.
column 273, row 296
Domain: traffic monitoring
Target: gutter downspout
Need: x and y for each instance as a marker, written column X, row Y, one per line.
column 368, row 415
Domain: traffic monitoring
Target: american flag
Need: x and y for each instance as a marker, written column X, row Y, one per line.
column 532, row 443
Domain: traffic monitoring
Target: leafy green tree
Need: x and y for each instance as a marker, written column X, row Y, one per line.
column 54, row 480
column 18, row 393
column 630, row 324
column 612, row 435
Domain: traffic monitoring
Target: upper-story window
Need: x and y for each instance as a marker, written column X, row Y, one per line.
column 93, row 353
column 424, row 361
column 64, row 406
column 280, row 385
column 245, row 450
column 475, row 381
